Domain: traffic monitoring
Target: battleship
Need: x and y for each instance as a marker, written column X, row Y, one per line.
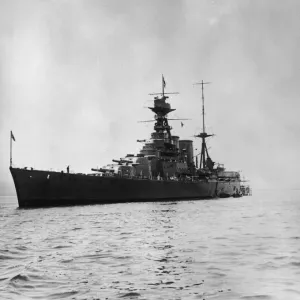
column 164, row 169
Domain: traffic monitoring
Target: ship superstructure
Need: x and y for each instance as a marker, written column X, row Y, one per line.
column 163, row 156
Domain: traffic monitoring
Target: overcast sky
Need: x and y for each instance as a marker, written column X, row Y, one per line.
column 75, row 77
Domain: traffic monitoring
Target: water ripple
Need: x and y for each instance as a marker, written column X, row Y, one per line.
column 224, row 249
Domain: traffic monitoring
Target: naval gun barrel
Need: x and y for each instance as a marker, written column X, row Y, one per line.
column 102, row 170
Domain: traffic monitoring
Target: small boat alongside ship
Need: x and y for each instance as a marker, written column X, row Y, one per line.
column 164, row 169
column 246, row 190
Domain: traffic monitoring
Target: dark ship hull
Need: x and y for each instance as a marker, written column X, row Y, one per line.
column 37, row 188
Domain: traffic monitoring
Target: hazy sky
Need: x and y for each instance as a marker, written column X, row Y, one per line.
column 75, row 77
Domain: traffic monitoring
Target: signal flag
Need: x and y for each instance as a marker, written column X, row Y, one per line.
column 12, row 136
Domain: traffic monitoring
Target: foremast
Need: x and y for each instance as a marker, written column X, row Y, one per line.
column 205, row 160
column 162, row 109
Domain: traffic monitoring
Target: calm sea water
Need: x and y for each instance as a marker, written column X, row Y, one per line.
column 243, row 248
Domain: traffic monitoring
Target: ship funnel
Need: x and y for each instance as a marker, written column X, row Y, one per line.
column 175, row 141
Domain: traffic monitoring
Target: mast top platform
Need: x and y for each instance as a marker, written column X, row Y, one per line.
column 161, row 108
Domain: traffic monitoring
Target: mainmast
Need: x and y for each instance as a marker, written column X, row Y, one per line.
column 203, row 113
column 205, row 160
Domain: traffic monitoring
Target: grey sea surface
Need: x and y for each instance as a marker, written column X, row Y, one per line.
column 235, row 248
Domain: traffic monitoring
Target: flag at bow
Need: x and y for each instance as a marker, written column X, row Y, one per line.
column 12, row 136
column 163, row 81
